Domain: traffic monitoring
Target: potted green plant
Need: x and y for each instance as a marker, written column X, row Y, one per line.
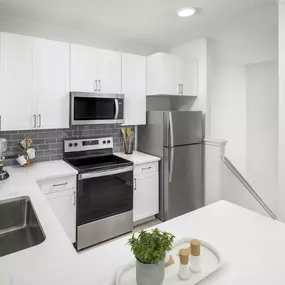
column 149, row 248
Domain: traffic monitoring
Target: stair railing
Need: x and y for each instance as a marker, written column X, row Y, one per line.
column 249, row 188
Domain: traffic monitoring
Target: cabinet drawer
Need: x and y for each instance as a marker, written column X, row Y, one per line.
column 146, row 168
column 57, row 184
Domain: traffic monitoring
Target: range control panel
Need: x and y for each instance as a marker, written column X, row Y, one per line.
column 88, row 144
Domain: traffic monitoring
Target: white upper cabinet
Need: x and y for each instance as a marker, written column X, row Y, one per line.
column 187, row 76
column 95, row 70
column 84, row 68
column 18, row 105
column 134, row 88
column 162, row 74
column 110, row 71
column 168, row 74
column 52, row 79
column 34, row 83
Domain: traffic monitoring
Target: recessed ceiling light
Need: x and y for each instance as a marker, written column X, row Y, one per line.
column 186, row 12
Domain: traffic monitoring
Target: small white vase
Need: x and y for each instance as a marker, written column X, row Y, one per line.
column 150, row 274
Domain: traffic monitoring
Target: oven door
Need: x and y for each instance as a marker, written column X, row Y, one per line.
column 104, row 205
column 92, row 108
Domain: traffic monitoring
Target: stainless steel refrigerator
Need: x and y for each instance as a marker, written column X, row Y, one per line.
column 176, row 137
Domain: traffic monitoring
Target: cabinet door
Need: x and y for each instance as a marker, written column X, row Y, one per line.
column 162, row 74
column 63, row 204
column 110, row 71
column 188, row 76
column 18, row 92
column 170, row 75
column 84, row 68
column 52, row 77
column 134, row 88
column 146, row 195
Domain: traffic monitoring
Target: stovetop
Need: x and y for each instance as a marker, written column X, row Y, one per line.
column 93, row 163
column 92, row 154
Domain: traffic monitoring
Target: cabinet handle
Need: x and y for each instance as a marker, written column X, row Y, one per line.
column 181, row 88
column 61, row 184
column 40, row 120
column 35, row 120
column 95, row 85
column 135, row 184
column 146, row 168
column 74, row 201
column 99, row 85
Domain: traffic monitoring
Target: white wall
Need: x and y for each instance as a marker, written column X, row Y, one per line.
column 262, row 130
column 83, row 37
column 221, row 183
column 197, row 50
column 281, row 147
column 214, row 151
column 228, row 103
column 238, row 115
column 252, row 40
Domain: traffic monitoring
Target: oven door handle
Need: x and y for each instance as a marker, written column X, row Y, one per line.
column 117, row 109
column 104, row 173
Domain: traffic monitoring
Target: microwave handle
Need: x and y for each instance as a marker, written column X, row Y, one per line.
column 117, row 109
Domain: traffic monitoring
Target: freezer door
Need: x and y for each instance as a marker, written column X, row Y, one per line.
column 150, row 136
column 182, row 180
column 182, row 128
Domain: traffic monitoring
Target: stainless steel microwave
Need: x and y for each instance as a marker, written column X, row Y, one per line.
column 94, row 108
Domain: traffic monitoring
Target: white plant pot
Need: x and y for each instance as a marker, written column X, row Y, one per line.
column 150, row 274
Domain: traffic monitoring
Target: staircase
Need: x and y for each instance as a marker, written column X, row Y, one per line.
column 223, row 181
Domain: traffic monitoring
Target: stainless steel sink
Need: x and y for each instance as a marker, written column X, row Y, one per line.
column 19, row 226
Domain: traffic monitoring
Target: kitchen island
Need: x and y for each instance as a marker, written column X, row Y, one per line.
column 252, row 246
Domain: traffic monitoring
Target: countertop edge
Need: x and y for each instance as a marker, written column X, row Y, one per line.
column 138, row 157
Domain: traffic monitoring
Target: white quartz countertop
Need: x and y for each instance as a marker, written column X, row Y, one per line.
column 138, row 157
column 252, row 246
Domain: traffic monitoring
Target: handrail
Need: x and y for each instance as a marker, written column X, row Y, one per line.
column 249, row 188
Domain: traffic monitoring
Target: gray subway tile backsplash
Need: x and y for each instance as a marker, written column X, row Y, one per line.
column 49, row 143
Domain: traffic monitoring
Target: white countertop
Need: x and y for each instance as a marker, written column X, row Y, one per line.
column 138, row 157
column 252, row 246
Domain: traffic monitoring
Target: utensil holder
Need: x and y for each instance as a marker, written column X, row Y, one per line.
column 128, row 148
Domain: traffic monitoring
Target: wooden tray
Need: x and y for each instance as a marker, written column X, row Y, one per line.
column 210, row 262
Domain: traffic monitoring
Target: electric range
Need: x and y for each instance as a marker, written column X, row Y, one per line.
column 104, row 190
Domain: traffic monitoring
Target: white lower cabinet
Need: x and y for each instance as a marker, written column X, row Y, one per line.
column 61, row 194
column 146, row 193
column 63, row 204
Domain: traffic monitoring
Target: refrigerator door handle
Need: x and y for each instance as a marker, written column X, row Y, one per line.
column 171, row 130
column 171, row 164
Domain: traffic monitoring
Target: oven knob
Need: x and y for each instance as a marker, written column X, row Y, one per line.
column 108, row 141
column 76, row 144
column 104, row 142
column 70, row 145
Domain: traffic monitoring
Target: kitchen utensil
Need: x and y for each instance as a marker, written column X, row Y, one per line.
column 129, row 148
column 26, row 143
column 124, row 132
column 21, row 160
column 129, row 132
column 31, row 153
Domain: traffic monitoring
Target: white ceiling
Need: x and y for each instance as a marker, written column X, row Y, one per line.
column 147, row 21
